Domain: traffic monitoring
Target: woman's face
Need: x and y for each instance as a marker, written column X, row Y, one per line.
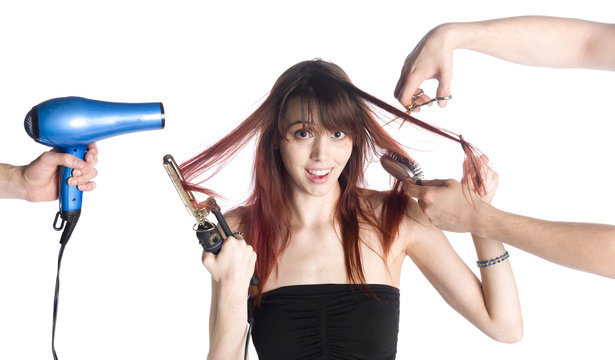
column 313, row 156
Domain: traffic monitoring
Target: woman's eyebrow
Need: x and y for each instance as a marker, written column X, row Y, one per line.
column 304, row 123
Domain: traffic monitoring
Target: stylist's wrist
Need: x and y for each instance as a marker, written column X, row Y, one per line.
column 483, row 217
column 464, row 35
column 446, row 36
column 14, row 186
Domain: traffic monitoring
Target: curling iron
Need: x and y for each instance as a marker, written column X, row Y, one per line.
column 207, row 233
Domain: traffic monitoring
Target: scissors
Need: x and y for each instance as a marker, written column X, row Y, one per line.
column 414, row 106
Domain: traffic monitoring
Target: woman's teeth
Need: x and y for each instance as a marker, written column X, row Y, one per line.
column 319, row 172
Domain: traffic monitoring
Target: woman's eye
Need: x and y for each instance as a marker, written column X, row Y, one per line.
column 302, row 134
column 338, row 135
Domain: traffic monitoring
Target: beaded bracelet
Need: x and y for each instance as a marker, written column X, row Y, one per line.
column 484, row 264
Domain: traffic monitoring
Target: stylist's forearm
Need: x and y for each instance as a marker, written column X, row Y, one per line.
column 582, row 246
column 532, row 40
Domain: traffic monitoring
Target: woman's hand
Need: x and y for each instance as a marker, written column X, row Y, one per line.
column 231, row 271
column 492, row 180
column 233, row 267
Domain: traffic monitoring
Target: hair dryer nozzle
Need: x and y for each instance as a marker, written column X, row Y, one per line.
column 31, row 123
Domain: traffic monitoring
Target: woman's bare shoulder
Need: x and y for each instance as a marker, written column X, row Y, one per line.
column 376, row 198
column 373, row 198
column 236, row 218
column 414, row 224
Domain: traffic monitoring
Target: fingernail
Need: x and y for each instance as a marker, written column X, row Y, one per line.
column 72, row 182
column 76, row 172
column 80, row 164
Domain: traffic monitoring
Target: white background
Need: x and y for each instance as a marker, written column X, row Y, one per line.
column 133, row 286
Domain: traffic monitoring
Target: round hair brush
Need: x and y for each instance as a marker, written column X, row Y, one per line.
column 401, row 167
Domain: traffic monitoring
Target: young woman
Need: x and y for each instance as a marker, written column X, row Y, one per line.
column 328, row 252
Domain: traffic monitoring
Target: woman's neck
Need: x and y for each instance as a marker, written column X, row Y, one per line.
column 307, row 210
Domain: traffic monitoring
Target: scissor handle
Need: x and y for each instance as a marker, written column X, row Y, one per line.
column 414, row 106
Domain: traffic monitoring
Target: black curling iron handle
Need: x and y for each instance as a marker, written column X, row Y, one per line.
column 222, row 222
column 227, row 231
column 209, row 237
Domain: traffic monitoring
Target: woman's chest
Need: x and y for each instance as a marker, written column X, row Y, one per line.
column 318, row 257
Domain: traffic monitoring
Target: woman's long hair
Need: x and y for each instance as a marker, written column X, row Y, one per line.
column 326, row 90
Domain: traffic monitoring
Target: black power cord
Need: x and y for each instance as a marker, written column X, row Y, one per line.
column 69, row 221
column 250, row 322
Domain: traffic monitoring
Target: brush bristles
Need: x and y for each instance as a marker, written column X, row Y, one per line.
column 413, row 169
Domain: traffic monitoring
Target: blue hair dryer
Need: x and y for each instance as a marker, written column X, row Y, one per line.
column 72, row 123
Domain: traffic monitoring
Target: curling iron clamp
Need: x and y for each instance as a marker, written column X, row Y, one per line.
column 208, row 234
column 187, row 197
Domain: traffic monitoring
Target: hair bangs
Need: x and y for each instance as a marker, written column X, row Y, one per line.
column 325, row 104
column 339, row 111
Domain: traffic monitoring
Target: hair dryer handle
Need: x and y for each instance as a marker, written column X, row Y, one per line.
column 70, row 196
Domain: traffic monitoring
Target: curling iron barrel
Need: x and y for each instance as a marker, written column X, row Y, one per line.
column 73, row 123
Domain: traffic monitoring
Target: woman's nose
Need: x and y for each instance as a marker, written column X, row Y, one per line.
column 320, row 148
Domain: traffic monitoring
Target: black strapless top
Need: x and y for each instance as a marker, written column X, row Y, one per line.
column 327, row 321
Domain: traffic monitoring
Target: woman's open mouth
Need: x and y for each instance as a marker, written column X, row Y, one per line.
column 318, row 175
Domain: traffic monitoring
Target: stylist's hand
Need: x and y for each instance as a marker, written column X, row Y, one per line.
column 233, row 267
column 451, row 206
column 41, row 176
column 430, row 59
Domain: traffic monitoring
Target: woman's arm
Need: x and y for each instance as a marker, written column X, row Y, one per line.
column 499, row 290
column 492, row 304
column 213, row 308
column 231, row 271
